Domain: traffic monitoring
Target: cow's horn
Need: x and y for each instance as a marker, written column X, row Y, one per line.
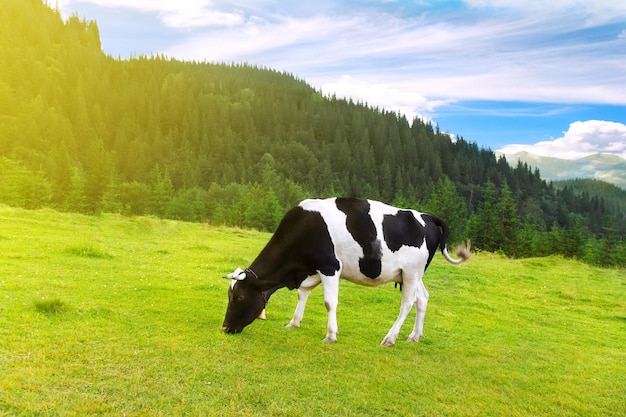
column 238, row 275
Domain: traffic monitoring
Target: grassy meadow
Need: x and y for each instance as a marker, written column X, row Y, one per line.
column 111, row 315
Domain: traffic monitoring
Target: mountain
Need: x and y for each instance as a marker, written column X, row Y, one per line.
column 604, row 167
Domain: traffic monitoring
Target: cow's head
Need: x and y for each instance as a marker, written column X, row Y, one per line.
column 247, row 297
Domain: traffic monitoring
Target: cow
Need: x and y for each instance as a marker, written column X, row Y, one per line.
column 322, row 240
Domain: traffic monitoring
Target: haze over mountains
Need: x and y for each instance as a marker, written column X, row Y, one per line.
column 604, row 167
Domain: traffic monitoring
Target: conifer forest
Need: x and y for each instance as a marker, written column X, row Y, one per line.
column 238, row 145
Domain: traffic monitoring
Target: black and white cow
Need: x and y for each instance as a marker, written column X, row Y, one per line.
column 320, row 241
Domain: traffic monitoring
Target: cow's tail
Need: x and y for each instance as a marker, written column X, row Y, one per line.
column 463, row 251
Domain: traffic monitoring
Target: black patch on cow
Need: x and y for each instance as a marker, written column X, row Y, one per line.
column 362, row 228
column 300, row 246
column 402, row 229
column 433, row 235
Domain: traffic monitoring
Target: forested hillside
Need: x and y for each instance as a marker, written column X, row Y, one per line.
column 238, row 145
column 610, row 194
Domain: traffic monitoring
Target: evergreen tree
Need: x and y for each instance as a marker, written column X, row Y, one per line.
column 262, row 209
column 188, row 205
column 22, row 187
column 162, row 192
column 76, row 200
column 508, row 223
column 97, row 170
column 483, row 224
column 133, row 198
column 554, row 239
column 60, row 174
column 573, row 238
column 111, row 200
column 609, row 244
column 445, row 202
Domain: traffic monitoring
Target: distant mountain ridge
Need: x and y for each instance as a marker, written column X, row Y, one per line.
column 604, row 167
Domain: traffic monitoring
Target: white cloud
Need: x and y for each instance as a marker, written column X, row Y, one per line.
column 183, row 14
column 525, row 57
column 190, row 18
column 582, row 139
column 590, row 6
column 385, row 96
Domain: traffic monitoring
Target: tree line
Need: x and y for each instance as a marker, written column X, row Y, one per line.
column 237, row 144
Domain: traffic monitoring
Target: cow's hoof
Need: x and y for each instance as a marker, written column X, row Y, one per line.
column 330, row 340
column 415, row 337
column 292, row 326
column 387, row 342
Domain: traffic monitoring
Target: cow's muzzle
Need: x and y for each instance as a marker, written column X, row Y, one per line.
column 231, row 330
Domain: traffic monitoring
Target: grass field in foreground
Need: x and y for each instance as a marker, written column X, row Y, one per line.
column 110, row 315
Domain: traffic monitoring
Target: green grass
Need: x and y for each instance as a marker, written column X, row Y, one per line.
column 87, row 251
column 50, row 307
column 110, row 315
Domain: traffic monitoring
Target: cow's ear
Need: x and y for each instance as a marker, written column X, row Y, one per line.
column 238, row 275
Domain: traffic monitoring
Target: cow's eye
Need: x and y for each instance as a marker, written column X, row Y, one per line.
column 241, row 298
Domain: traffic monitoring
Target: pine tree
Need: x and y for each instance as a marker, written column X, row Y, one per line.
column 162, row 192
column 76, row 200
column 483, row 224
column 445, row 202
column 97, row 169
column 60, row 174
column 262, row 209
column 134, row 198
column 508, row 223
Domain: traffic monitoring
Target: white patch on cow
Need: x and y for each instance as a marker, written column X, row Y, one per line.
column 331, row 300
column 303, row 294
column 238, row 275
column 348, row 251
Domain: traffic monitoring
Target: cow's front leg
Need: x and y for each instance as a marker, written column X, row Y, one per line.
column 420, row 308
column 303, row 294
column 408, row 299
column 331, row 299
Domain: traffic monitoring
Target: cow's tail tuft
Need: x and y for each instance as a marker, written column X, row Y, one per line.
column 463, row 251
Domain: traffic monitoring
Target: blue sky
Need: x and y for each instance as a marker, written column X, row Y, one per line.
column 546, row 77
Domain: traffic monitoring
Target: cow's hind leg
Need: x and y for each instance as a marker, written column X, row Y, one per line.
column 409, row 294
column 420, row 308
column 303, row 294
